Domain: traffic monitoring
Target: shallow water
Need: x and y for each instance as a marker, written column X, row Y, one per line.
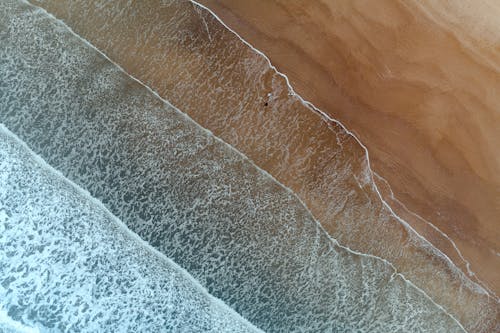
column 68, row 265
column 243, row 236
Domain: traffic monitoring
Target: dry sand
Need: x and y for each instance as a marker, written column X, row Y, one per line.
column 419, row 84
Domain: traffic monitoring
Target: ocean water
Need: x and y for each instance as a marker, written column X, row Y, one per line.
column 68, row 265
column 192, row 60
column 248, row 240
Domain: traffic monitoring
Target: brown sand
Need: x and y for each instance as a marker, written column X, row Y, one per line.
column 419, row 84
column 189, row 58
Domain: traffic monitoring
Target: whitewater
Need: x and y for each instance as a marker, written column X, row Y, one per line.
column 63, row 253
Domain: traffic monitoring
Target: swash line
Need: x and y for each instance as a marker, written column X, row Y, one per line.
column 326, row 117
column 448, row 238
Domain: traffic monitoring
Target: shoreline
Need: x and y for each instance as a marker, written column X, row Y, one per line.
column 447, row 244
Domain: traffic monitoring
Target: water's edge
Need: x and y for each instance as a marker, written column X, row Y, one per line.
column 480, row 285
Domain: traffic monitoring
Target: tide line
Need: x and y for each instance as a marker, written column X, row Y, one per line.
column 457, row 250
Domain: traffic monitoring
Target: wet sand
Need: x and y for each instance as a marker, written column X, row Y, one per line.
column 189, row 58
column 418, row 82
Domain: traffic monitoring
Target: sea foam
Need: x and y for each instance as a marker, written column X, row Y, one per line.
column 67, row 264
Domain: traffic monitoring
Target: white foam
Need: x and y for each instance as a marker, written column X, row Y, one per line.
column 224, row 315
column 7, row 323
column 483, row 287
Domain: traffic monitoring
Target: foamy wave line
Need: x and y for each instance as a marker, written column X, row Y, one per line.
column 480, row 287
column 333, row 240
column 465, row 261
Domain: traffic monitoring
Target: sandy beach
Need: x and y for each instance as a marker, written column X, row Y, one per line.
column 418, row 82
column 189, row 58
